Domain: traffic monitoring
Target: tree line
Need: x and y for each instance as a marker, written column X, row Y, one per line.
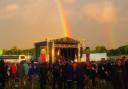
column 123, row 50
column 16, row 51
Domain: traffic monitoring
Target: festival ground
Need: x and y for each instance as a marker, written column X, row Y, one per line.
column 36, row 86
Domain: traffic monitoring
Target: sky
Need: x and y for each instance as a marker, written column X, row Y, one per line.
column 96, row 22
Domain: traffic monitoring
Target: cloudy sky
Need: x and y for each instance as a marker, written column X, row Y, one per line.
column 97, row 22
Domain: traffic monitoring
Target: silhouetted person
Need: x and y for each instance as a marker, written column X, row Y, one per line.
column 31, row 73
column 56, row 75
column 20, row 74
column 43, row 75
column 69, row 76
column 2, row 74
column 117, row 76
column 80, row 76
column 62, row 76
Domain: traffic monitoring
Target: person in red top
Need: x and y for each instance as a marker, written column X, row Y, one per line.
column 13, row 72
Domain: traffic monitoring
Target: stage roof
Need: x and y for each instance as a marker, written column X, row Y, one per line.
column 65, row 40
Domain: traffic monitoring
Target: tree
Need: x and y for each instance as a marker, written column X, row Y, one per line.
column 25, row 52
column 112, row 52
column 100, row 49
column 86, row 50
column 14, row 50
column 123, row 50
column 32, row 51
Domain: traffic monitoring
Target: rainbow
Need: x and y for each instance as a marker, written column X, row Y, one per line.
column 108, row 34
column 63, row 17
column 66, row 28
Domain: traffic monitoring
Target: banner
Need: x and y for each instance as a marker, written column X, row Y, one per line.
column 43, row 55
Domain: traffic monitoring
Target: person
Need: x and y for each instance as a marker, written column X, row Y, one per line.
column 93, row 75
column 20, row 74
column 13, row 72
column 8, row 74
column 56, row 75
column 126, row 74
column 31, row 73
column 26, row 67
column 2, row 74
column 117, row 73
column 62, row 76
column 80, row 76
column 102, row 74
column 87, row 73
column 69, row 75
column 43, row 72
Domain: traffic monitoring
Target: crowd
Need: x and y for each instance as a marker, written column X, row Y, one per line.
column 15, row 74
column 64, row 74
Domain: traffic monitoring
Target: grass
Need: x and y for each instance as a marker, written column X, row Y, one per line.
column 36, row 86
column 27, row 86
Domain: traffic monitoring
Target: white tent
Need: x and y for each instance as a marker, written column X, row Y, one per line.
column 95, row 56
